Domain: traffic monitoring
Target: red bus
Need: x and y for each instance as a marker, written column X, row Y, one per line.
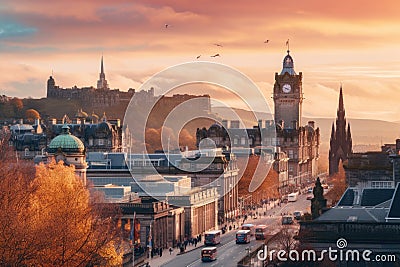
column 261, row 232
column 208, row 254
column 248, row 226
column 212, row 238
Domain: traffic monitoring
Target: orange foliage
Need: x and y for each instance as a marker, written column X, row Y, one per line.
column 338, row 181
column 268, row 188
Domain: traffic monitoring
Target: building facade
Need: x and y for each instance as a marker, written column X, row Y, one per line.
column 300, row 143
column 96, row 134
column 340, row 142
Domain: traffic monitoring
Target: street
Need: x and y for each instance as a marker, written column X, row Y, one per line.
column 229, row 253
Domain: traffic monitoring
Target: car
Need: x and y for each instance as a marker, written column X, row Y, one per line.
column 297, row 214
column 287, row 220
column 309, row 197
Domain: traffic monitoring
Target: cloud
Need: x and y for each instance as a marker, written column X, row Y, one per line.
column 10, row 29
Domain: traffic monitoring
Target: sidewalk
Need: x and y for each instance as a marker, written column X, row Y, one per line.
column 158, row 261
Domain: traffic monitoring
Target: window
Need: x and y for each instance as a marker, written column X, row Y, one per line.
column 290, row 154
column 26, row 152
column 90, row 142
column 235, row 141
column 242, row 141
column 101, row 142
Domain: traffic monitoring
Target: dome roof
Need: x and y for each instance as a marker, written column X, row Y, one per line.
column 66, row 142
column 81, row 114
column 104, row 126
column 288, row 65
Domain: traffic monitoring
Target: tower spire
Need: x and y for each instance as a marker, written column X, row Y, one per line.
column 102, row 68
column 102, row 82
column 341, row 142
column 341, row 105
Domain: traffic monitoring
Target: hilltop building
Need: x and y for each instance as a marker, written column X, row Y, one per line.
column 341, row 142
column 102, row 96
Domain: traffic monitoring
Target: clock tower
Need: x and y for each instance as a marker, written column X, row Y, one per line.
column 288, row 95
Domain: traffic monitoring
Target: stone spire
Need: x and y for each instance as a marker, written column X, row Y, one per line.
column 102, row 82
column 341, row 142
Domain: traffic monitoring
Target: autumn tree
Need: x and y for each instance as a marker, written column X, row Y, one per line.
column 32, row 114
column 48, row 218
column 338, row 182
column 247, row 169
column 16, row 190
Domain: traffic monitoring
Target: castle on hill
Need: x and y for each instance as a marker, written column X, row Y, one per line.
column 101, row 96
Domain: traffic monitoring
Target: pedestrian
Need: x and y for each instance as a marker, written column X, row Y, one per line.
column 160, row 252
column 170, row 250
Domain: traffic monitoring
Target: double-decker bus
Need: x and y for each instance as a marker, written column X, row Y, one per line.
column 208, row 254
column 249, row 226
column 243, row 237
column 261, row 232
column 212, row 238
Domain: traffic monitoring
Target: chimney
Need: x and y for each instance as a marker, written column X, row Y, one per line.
column 260, row 124
column 311, row 124
column 295, row 125
column 235, row 124
column 225, row 124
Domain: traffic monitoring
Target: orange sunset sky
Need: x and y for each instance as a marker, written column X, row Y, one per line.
column 354, row 43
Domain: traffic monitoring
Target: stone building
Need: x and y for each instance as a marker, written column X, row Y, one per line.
column 29, row 140
column 364, row 218
column 97, row 135
column 377, row 169
column 299, row 143
column 70, row 150
column 341, row 142
column 102, row 96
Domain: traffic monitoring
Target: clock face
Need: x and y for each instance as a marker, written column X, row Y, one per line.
column 286, row 88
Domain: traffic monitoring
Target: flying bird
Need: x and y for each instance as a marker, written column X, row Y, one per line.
column 166, row 26
column 216, row 55
column 220, row 45
column 266, row 41
column 198, row 56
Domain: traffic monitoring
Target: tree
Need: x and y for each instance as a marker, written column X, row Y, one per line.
column 32, row 114
column 338, row 181
column 48, row 218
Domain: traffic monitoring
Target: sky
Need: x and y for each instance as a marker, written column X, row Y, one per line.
column 350, row 43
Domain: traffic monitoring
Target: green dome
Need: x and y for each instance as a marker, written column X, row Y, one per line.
column 66, row 142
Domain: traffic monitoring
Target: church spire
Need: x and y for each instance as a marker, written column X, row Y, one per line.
column 341, row 142
column 102, row 82
column 102, row 67
column 341, row 105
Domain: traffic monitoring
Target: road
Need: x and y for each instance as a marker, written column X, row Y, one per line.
column 229, row 253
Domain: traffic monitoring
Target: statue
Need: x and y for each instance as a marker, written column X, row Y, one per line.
column 318, row 202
